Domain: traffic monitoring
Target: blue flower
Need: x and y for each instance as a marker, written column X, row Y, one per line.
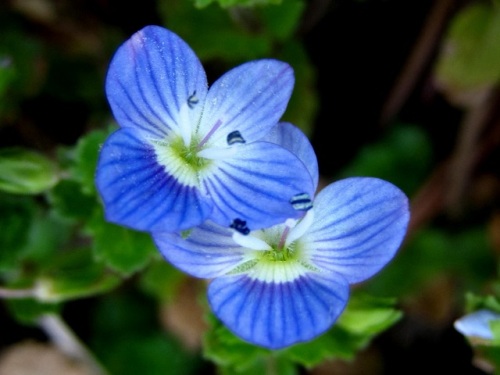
column 476, row 325
column 183, row 153
column 289, row 283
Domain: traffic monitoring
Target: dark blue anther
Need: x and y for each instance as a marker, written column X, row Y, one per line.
column 193, row 100
column 301, row 202
column 240, row 226
column 235, row 137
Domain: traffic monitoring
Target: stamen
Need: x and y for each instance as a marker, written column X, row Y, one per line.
column 193, row 100
column 289, row 224
column 301, row 228
column 251, row 242
column 240, row 226
column 284, row 235
column 185, row 124
column 216, row 153
column 235, row 137
column 301, row 202
column 209, row 134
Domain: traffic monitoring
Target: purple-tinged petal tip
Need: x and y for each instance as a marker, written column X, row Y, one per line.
column 153, row 76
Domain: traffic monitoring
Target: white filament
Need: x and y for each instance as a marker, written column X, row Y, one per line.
column 185, row 124
column 298, row 230
column 251, row 242
column 217, row 153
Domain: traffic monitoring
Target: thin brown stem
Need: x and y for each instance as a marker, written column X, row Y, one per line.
column 418, row 60
column 463, row 159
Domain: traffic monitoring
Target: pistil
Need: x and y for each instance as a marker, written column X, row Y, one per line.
column 289, row 224
column 209, row 134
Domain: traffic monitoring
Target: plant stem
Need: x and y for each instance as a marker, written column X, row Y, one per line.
column 65, row 339
column 16, row 293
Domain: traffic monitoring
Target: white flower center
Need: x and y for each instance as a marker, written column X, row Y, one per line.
column 276, row 254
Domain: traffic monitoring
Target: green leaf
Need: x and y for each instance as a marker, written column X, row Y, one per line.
column 123, row 250
column 364, row 318
column 86, row 155
column 26, row 172
column 47, row 235
column 337, row 343
column 75, row 274
column 228, row 351
column 15, row 221
column 495, row 329
column 271, row 364
column 70, row 202
column 471, row 53
column 368, row 315
column 475, row 302
column 29, row 238
column 282, row 20
column 161, row 280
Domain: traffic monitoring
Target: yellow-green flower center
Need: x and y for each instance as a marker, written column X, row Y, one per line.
column 181, row 161
column 278, row 254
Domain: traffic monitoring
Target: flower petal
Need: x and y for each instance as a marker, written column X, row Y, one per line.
column 250, row 99
column 276, row 315
column 209, row 251
column 256, row 185
column 294, row 140
column 137, row 192
column 477, row 324
column 151, row 82
column 359, row 225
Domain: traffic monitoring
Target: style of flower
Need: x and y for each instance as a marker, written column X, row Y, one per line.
column 476, row 325
column 184, row 153
column 289, row 283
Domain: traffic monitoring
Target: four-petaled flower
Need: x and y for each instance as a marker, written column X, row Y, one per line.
column 184, row 154
column 289, row 283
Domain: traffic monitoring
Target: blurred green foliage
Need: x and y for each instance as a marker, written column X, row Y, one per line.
column 127, row 339
column 393, row 158
column 471, row 56
column 464, row 255
column 25, row 172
